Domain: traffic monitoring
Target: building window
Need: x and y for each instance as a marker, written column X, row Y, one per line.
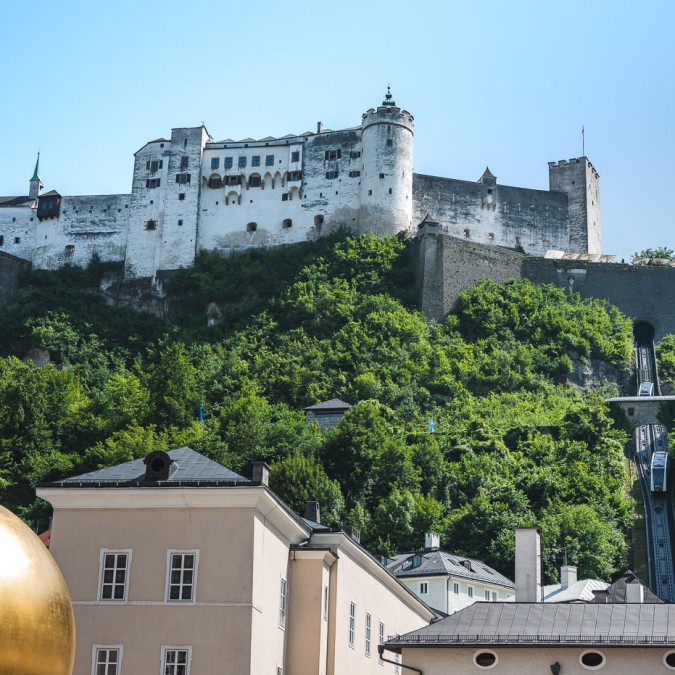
column 2, row 239
column 333, row 154
column 215, row 182
column 469, row 591
column 233, row 180
column 370, row 193
column 592, row 660
column 287, row 223
column 242, row 163
column 330, row 175
column 467, row 233
column 17, row 240
column 184, row 162
column 381, row 175
column 381, row 637
column 180, row 221
column 182, row 576
column 295, row 175
column 354, row 174
column 487, row 595
column 494, row 596
column 390, row 142
column 181, row 196
column 390, row 190
column 669, row 660
column 284, row 197
column 114, row 574
column 325, row 603
column 282, row 603
column 369, row 620
column 252, row 227
column 70, row 249
column 154, row 165
column 107, row 660
column 255, row 160
column 355, row 154
column 295, row 156
column 352, row 623
column 228, row 162
column 183, row 178
column 255, row 180
column 485, row 659
column 152, row 183
column 176, row 660
column 215, row 163
column 150, row 224
column 424, row 587
column 269, row 160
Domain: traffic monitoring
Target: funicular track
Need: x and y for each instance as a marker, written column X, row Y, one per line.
column 658, row 513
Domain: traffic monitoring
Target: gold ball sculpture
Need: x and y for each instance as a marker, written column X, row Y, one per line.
column 37, row 626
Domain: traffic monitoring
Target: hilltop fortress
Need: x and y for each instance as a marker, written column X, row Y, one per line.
column 191, row 193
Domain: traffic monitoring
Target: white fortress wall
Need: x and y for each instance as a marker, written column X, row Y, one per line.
column 17, row 231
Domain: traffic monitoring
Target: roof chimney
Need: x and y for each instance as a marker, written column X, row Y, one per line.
column 568, row 576
column 312, row 512
column 634, row 592
column 601, row 596
column 261, row 473
column 352, row 532
column 319, row 127
column 528, row 565
column 432, row 541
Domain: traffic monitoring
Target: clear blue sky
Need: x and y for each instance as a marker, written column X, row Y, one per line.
column 501, row 83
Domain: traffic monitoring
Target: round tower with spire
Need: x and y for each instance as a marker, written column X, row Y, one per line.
column 35, row 182
column 386, row 179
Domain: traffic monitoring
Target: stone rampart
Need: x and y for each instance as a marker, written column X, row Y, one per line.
column 10, row 266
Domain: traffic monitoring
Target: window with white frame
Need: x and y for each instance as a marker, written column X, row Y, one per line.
column 114, row 575
column 469, row 591
column 381, row 637
column 325, row 602
column 352, row 623
column 182, row 576
column 176, row 660
column 283, row 596
column 487, row 594
column 107, row 660
column 494, row 596
column 424, row 587
column 369, row 621
column 455, row 588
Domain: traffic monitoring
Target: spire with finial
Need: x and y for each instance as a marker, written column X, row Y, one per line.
column 35, row 182
column 388, row 100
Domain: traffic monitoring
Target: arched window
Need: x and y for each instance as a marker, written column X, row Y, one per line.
column 255, row 180
column 287, row 222
column 252, row 227
column 215, row 181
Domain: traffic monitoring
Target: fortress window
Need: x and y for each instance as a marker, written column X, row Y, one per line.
column 295, row 156
column 370, row 193
column 2, row 239
column 228, row 162
column 233, row 180
column 252, row 227
column 215, row 163
column 331, row 174
column 354, row 174
column 255, row 180
column 285, row 197
column 152, row 183
column 242, row 162
column 467, row 233
column 295, row 175
column 389, row 190
column 287, row 223
column 381, row 175
column 333, row 154
column 491, row 235
column 255, row 160
column 181, row 196
column 151, row 225
column 70, row 249
column 390, row 142
column 180, row 221
column 269, row 160
column 17, row 240
column 184, row 162
column 215, row 182
column 154, row 165
column 355, row 154
column 182, row 178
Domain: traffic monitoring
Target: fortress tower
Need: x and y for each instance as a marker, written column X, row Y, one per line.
column 386, row 183
column 35, row 182
column 580, row 182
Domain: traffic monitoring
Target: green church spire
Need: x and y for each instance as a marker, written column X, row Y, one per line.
column 36, row 173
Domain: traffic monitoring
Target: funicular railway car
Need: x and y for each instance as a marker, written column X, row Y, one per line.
column 659, row 472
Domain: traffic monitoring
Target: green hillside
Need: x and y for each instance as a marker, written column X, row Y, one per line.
column 513, row 442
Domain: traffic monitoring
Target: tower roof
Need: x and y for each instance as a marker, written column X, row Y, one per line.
column 488, row 176
column 388, row 100
column 36, row 173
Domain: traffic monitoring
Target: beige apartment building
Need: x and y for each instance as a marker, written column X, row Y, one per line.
column 177, row 565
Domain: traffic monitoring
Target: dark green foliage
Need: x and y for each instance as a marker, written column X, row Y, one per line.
column 659, row 252
column 513, row 444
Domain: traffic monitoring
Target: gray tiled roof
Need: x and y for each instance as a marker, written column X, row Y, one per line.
column 542, row 623
column 16, row 201
column 441, row 563
column 191, row 467
column 325, row 406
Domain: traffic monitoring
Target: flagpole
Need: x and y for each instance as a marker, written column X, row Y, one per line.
column 583, row 142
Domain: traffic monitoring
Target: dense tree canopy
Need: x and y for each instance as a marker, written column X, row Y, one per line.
column 513, row 444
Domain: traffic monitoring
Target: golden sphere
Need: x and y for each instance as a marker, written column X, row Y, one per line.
column 37, row 626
